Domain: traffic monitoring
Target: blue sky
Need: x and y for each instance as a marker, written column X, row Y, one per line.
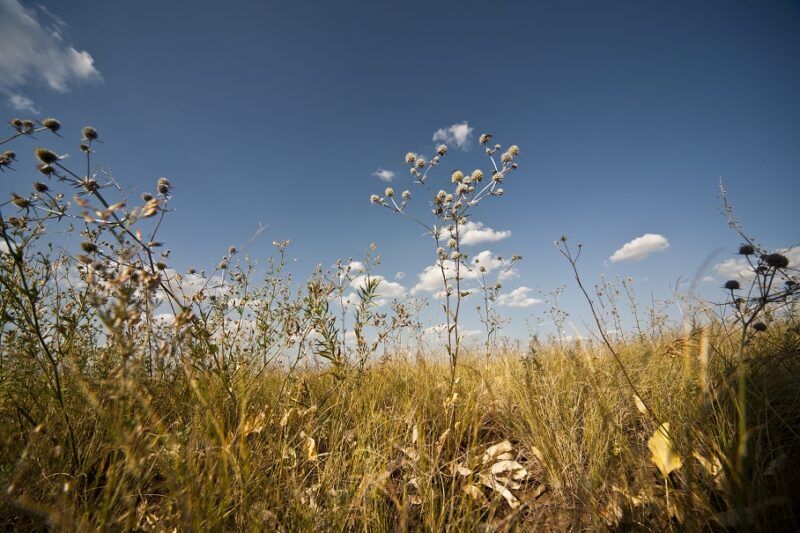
column 626, row 113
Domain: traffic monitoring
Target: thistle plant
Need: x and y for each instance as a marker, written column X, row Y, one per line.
column 490, row 290
column 451, row 209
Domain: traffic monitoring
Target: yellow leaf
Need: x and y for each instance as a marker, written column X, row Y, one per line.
column 664, row 455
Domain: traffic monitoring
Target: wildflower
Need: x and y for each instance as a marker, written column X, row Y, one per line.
column 51, row 124
column 513, row 150
column 222, row 265
column 777, row 260
column 163, row 185
column 88, row 247
column 40, row 187
column 746, row 249
column 448, row 198
column 732, row 285
column 85, row 148
column 441, row 150
column 451, row 243
column 19, row 201
column 477, row 175
column 406, row 195
column 389, row 192
column 46, row 169
column 440, row 251
column 410, row 158
column 457, row 176
column 46, row 156
column 373, row 199
column 455, row 256
column 485, row 138
column 497, row 176
column 440, row 196
column 420, row 163
column 462, row 188
column 89, row 133
column 506, row 157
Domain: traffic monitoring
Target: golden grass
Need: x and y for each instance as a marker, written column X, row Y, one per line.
column 199, row 450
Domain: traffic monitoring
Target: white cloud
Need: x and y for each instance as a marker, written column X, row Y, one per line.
column 35, row 51
column 439, row 332
column 356, row 266
column 456, row 134
column 400, row 275
column 384, row 175
column 708, row 279
column 641, row 247
column 430, row 279
column 476, row 233
column 739, row 268
column 386, row 289
column 518, row 298
column 23, row 104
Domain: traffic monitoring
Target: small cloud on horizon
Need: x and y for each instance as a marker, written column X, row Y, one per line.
column 640, row 247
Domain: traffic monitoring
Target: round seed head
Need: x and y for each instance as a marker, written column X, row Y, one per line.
column 46, row 169
column 389, row 192
column 777, row 260
column 232, row 250
column 457, row 176
column 747, row 249
column 374, row 198
column 441, row 150
column 760, row 326
column 89, row 133
column 40, row 187
column 410, row 158
column 146, row 196
column 88, row 247
column 17, row 123
column 51, row 124
column 732, row 285
column 477, row 175
column 513, row 150
column 406, row 195
column 45, row 156
column 485, row 138
column 163, row 185
column 19, row 201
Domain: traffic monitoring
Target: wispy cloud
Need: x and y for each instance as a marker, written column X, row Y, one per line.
column 476, row 233
column 518, row 298
column 456, row 134
column 23, row 104
column 35, row 51
column 384, row 175
column 640, row 247
column 400, row 275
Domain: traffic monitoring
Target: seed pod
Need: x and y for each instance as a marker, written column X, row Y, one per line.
column 89, row 133
column 51, row 124
column 45, row 156
column 732, row 285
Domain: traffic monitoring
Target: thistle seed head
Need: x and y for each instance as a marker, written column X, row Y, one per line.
column 45, row 156
column 732, row 285
column 89, row 133
column 51, row 124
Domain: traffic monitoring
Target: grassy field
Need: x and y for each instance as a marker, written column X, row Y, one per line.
column 137, row 398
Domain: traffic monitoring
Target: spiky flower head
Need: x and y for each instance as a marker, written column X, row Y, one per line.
column 457, row 176
column 747, row 249
column 406, row 195
column 451, row 243
column 410, row 158
column 163, row 186
column 374, row 198
column 477, row 175
column 88, row 247
column 760, row 326
column 146, row 196
column 506, row 157
column 732, row 285
column 777, row 260
column 497, row 176
column 19, row 201
column 440, row 196
column 38, row 186
column 513, row 150
column 51, row 124
column 89, row 133
column 420, row 163
column 389, row 192
column 462, row 188
column 485, row 138
column 45, row 169
column 45, row 156
column 441, row 149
